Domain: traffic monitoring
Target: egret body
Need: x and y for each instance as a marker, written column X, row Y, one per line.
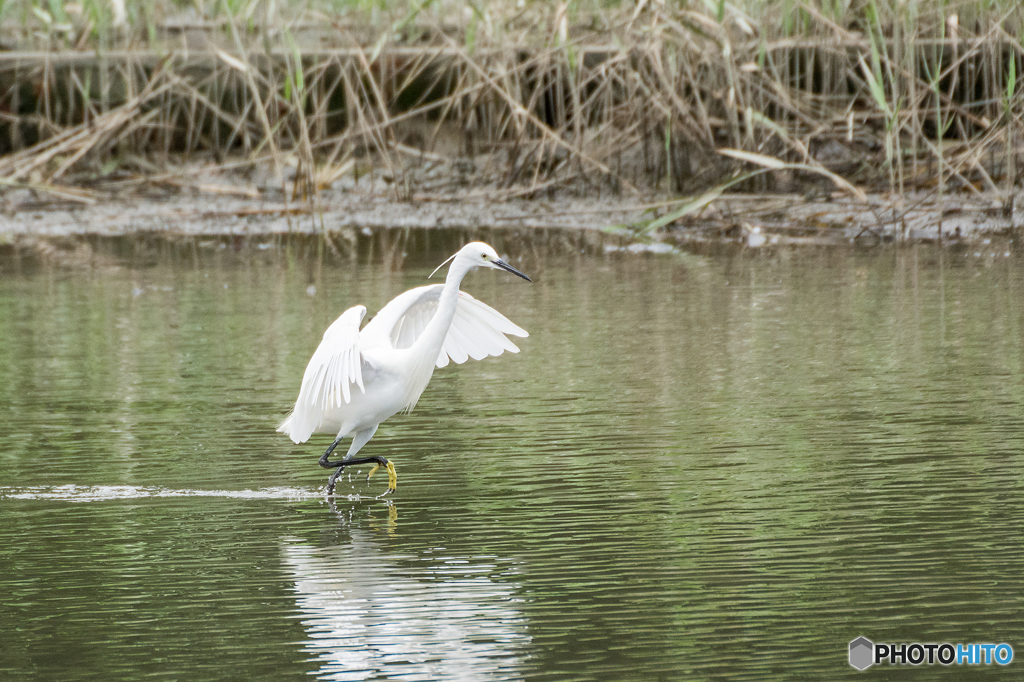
column 357, row 378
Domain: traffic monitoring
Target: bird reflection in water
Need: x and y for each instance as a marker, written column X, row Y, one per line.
column 370, row 613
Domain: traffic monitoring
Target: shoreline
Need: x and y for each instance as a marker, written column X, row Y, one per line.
column 219, row 209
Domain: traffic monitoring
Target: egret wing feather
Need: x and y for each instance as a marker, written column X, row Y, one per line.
column 455, row 347
column 335, row 367
column 477, row 331
column 494, row 340
column 484, row 315
column 400, row 322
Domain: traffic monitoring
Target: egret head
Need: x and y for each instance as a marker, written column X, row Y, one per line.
column 477, row 255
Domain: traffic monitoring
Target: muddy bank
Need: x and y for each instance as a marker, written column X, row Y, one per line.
column 208, row 203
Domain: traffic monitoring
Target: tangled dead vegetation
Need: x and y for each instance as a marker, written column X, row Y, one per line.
column 512, row 100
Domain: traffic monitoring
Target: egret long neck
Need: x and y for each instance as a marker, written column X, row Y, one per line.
column 423, row 353
column 430, row 341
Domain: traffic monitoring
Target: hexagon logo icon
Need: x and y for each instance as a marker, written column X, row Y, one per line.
column 862, row 653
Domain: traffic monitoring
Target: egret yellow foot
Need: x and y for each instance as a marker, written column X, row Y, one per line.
column 392, row 476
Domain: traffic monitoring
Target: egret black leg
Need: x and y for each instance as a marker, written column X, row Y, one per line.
column 342, row 463
column 323, row 459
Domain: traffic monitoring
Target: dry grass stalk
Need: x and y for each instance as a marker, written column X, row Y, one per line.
column 903, row 95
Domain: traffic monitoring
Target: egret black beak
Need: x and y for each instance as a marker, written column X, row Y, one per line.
column 505, row 266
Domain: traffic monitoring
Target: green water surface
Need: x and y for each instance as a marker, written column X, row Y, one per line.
column 719, row 468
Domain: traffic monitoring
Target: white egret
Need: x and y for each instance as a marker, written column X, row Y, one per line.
column 358, row 378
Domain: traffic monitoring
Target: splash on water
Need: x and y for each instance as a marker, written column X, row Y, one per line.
column 79, row 493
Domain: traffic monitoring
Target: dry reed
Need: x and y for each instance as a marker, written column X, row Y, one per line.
column 629, row 98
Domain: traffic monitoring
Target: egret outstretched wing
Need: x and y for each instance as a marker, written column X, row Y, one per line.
column 334, row 369
column 477, row 331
